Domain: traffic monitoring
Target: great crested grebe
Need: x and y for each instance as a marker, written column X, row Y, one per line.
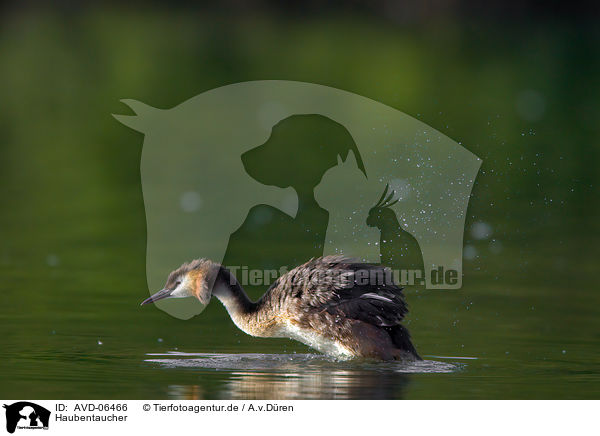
column 333, row 304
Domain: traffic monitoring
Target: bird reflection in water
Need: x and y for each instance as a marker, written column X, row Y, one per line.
column 293, row 377
column 314, row 385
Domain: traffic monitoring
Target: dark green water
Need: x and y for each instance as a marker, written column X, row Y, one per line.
column 522, row 97
column 524, row 341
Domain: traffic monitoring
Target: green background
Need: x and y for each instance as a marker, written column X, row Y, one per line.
column 518, row 88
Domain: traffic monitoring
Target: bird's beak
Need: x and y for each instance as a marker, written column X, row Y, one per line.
column 163, row 293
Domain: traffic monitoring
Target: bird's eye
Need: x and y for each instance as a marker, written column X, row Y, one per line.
column 177, row 283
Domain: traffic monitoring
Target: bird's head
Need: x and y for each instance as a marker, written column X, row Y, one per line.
column 193, row 279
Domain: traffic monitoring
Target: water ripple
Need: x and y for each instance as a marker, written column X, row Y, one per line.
column 290, row 362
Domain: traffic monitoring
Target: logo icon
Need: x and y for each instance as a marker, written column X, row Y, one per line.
column 26, row 415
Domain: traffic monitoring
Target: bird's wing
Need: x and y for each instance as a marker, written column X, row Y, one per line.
column 354, row 290
column 380, row 306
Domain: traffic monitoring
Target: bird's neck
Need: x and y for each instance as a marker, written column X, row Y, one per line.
column 246, row 314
